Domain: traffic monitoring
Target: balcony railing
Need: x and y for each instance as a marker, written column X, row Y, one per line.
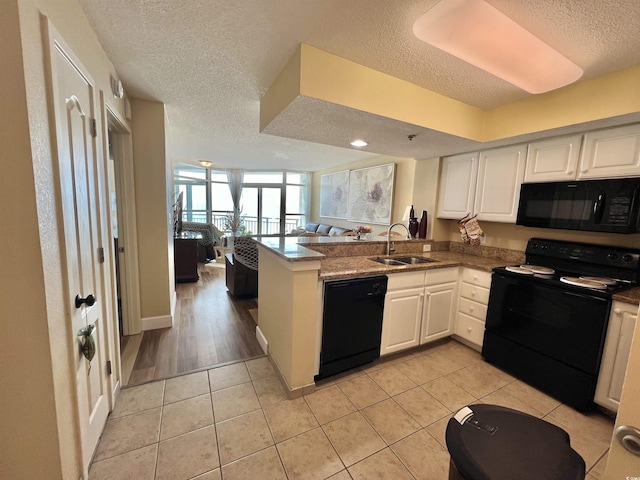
column 270, row 225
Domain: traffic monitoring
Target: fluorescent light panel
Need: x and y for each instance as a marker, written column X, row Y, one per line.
column 481, row 35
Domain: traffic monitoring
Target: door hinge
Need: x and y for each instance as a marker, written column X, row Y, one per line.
column 101, row 254
column 94, row 128
column 108, row 367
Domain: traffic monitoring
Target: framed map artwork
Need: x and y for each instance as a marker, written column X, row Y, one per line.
column 334, row 194
column 371, row 194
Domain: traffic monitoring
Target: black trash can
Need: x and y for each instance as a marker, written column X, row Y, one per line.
column 489, row 442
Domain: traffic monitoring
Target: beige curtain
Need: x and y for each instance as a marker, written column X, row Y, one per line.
column 236, row 179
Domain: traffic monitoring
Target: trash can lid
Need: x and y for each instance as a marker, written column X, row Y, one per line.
column 489, row 442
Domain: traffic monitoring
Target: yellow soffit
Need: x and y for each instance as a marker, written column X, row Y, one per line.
column 313, row 73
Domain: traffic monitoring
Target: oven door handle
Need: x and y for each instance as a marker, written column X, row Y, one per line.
column 598, row 208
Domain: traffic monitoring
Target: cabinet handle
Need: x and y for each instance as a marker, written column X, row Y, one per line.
column 570, row 172
column 618, row 311
column 428, row 294
column 471, row 309
column 469, row 329
column 473, row 293
column 475, row 277
column 584, row 170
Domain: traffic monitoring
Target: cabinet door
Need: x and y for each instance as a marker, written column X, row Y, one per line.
column 500, row 174
column 622, row 323
column 438, row 311
column 457, row 185
column 611, row 153
column 553, row 160
column 401, row 320
column 185, row 257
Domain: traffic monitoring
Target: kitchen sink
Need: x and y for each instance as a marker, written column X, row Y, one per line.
column 399, row 261
column 388, row 261
column 414, row 260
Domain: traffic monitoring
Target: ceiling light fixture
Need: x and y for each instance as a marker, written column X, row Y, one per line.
column 359, row 143
column 481, row 35
column 205, row 163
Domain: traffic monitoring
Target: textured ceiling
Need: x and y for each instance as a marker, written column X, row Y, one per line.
column 210, row 61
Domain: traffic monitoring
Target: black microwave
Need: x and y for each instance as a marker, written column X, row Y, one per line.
column 608, row 205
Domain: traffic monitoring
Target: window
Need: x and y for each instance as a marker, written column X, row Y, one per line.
column 272, row 203
column 191, row 180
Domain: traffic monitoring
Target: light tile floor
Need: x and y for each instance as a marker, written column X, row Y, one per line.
column 384, row 421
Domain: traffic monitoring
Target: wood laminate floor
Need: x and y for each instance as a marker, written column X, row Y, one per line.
column 212, row 327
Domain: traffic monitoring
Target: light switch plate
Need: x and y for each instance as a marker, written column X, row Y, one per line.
column 426, row 248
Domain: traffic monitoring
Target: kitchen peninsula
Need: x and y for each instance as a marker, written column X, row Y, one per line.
column 291, row 275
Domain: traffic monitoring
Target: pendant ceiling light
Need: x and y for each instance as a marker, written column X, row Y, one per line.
column 478, row 33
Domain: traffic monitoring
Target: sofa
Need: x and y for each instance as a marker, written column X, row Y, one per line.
column 322, row 229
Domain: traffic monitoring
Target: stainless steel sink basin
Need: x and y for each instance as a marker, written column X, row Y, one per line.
column 399, row 261
column 414, row 260
column 388, row 261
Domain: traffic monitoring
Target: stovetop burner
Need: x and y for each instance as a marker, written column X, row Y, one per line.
column 583, row 282
column 594, row 269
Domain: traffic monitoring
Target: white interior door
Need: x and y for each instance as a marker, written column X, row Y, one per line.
column 74, row 103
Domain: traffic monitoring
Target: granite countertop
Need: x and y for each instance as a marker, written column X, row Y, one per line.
column 347, row 267
column 333, row 268
column 629, row 296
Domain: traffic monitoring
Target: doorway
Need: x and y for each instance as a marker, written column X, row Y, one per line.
column 123, row 231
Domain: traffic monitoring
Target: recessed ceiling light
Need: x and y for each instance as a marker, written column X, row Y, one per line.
column 359, row 143
column 205, row 163
column 481, row 35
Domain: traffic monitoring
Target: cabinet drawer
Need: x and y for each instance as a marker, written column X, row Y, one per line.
column 475, row 293
column 441, row 275
column 473, row 309
column 405, row 280
column 470, row 329
column 476, row 277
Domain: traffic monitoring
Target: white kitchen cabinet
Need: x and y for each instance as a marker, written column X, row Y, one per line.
column 611, row 153
column 553, row 160
column 500, row 175
column 472, row 306
column 440, row 296
column 415, row 314
column 402, row 316
column 402, row 319
column 622, row 323
column 457, row 185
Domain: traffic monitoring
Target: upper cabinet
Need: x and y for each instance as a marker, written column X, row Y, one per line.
column 553, row 160
column 500, row 174
column 457, row 185
column 488, row 183
column 611, row 153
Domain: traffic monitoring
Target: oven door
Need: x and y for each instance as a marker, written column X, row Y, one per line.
column 565, row 326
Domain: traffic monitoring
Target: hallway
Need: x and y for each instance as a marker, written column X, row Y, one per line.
column 212, row 328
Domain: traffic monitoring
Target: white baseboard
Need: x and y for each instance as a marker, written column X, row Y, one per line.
column 262, row 340
column 151, row 323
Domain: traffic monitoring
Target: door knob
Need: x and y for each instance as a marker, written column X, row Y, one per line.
column 90, row 300
column 629, row 437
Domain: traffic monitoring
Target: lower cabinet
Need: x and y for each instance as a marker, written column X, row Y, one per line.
column 440, row 298
column 472, row 306
column 418, row 308
column 622, row 323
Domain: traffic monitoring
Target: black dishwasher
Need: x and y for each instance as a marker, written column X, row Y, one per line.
column 351, row 323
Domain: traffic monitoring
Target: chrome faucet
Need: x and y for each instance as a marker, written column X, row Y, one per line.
column 389, row 236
